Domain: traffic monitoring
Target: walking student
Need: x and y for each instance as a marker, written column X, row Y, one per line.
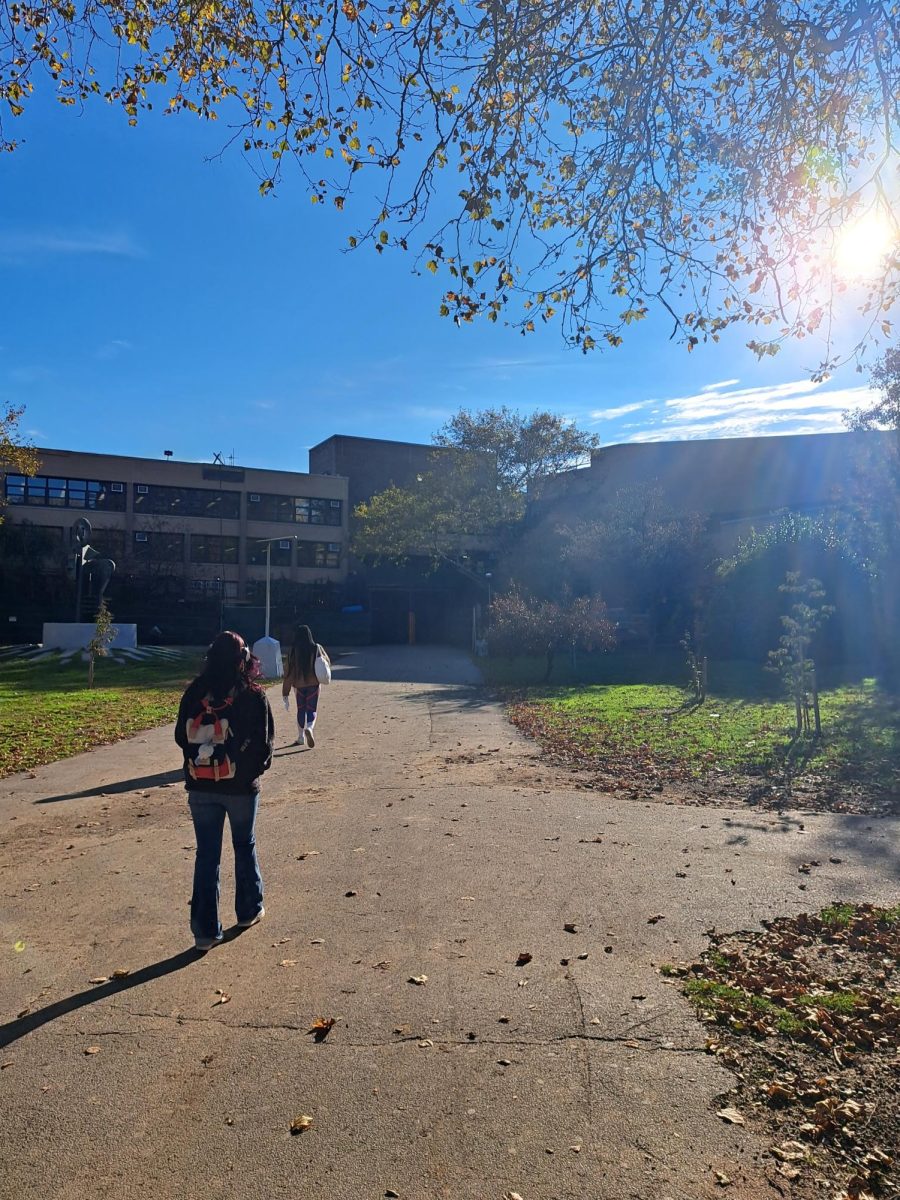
column 300, row 674
column 226, row 731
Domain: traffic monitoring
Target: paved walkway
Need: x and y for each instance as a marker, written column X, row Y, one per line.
column 421, row 837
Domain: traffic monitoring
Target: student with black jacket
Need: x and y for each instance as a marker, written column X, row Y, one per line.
column 226, row 730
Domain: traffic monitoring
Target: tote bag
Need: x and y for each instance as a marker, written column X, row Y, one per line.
column 322, row 669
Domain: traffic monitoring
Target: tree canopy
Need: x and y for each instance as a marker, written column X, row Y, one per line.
column 15, row 454
column 552, row 159
column 483, row 465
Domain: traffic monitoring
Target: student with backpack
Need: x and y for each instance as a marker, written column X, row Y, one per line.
column 226, row 731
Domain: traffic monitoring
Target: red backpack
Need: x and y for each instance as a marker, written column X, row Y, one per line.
column 210, row 736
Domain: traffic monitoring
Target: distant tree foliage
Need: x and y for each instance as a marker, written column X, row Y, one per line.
column 600, row 161
column 484, row 465
column 523, row 449
column 16, row 454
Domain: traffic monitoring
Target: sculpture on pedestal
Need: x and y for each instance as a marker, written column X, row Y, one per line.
column 90, row 562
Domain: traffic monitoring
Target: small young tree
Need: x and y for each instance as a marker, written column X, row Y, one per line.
column 696, row 666
column 98, row 646
column 791, row 660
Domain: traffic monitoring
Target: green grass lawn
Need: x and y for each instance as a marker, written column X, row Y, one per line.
column 50, row 713
column 743, row 735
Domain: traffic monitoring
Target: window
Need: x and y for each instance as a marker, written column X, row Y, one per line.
column 163, row 500
column 299, row 510
column 109, row 543
column 281, row 553
column 158, row 547
column 51, row 491
column 319, row 554
column 211, row 548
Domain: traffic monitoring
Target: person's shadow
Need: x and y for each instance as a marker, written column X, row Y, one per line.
column 29, row 1021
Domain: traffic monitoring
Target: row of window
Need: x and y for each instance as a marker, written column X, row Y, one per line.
column 219, row 550
column 162, row 500
column 224, row 550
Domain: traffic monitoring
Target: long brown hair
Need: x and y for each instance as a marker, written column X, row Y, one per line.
column 303, row 651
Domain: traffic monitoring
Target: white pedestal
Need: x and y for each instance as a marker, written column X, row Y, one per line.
column 268, row 651
column 75, row 635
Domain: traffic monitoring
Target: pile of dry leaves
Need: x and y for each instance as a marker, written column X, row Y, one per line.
column 807, row 1016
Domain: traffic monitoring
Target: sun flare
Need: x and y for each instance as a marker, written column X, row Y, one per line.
column 862, row 245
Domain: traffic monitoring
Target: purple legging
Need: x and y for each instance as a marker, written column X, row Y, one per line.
column 307, row 703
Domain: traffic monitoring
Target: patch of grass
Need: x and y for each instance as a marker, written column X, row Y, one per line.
column 50, row 713
column 750, row 735
column 790, row 1025
column 837, row 1002
column 706, row 993
column 838, row 915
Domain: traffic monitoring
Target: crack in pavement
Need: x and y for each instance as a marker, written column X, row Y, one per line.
column 400, row 1040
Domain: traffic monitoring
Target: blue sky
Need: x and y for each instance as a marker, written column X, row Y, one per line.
column 153, row 300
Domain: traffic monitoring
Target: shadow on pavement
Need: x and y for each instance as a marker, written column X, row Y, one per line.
column 13, row 1030
column 122, row 785
column 455, row 697
column 408, row 664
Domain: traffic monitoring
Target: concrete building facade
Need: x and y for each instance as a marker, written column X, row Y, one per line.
column 202, row 527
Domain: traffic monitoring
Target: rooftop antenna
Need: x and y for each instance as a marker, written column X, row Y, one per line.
column 217, row 458
column 231, row 458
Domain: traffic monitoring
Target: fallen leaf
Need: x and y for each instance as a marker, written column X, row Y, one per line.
column 351, row 893
column 321, row 1027
column 92, row 1050
column 512, row 1196
column 790, row 1151
column 317, row 942
column 223, row 998
column 300, row 1123
column 390, row 1194
column 18, row 946
column 653, row 920
column 504, row 1062
column 425, row 1043
column 570, row 927
column 722, row 1179
column 418, row 980
column 99, row 979
column 523, row 959
column 731, row 1115
column 288, row 962
column 121, row 973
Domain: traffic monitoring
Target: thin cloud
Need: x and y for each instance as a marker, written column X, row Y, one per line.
column 799, row 406
column 28, row 244
column 714, row 387
column 113, row 348
column 612, row 414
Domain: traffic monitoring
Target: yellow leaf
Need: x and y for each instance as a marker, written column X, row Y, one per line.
column 301, row 1122
column 432, row 266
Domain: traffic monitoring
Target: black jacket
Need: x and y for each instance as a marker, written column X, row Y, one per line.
column 253, row 728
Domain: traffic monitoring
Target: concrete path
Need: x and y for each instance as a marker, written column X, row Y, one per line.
column 421, row 837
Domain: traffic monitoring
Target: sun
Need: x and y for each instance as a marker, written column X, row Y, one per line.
column 862, row 245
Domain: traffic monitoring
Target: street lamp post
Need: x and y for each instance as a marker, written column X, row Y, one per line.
column 267, row 649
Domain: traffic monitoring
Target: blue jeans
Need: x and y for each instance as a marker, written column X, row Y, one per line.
column 208, row 812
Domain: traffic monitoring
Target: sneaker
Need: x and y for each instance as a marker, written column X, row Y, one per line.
column 204, row 944
column 300, row 741
column 310, row 740
column 253, row 920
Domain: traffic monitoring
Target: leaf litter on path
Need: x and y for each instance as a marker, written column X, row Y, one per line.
column 806, row 1015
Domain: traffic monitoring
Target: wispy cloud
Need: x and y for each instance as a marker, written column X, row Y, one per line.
column 25, row 376
column 721, row 410
column 613, row 414
column 112, row 349
column 28, row 244
column 714, row 387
